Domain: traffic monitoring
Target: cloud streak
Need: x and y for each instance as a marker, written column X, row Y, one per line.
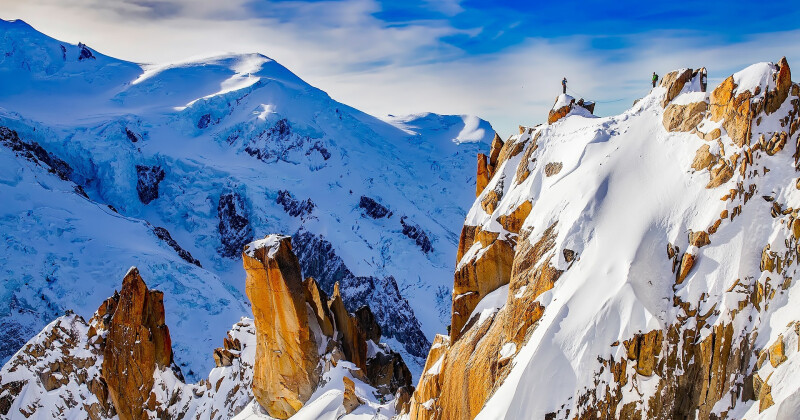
column 410, row 62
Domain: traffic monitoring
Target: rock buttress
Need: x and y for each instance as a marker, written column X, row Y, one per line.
column 137, row 344
column 286, row 369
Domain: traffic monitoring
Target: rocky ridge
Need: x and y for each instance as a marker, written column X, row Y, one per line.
column 720, row 343
column 120, row 363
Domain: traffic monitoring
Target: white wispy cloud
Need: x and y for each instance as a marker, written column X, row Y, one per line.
column 379, row 67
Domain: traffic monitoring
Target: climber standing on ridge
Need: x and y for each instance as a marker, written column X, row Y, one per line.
column 564, row 85
column 655, row 79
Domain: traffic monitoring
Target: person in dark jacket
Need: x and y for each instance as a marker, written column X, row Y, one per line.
column 564, row 85
column 655, row 79
column 703, row 79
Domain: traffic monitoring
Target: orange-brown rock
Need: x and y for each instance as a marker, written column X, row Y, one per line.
column 524, row 169
column 478, row 277
column 402, row 399
column 720, row 174
column 673, row 82
column 775, row 98
column 350, row 400
column 704, row 159
column 491, row 200
column 557, row 114
column 286, row 366
column 687, row 262
column 513, row 221
column 735, row 111
column 351, row 337
column 699, row 238
column 645, row 350
column 318, row 301
column 691, row 375
column 460, row 374
column 765, row 400
column 466, row 240
column 777, row 354
column 494, row 154
column 509, row 150
column 137, row 343
column 483, row 174
column 684, row 117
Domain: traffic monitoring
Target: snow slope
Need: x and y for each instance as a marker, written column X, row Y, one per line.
column 626, row 190
column 220, row 152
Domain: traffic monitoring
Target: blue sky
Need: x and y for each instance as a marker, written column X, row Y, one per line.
column 501, row 60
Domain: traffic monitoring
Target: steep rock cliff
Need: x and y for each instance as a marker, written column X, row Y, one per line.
column 652, row 258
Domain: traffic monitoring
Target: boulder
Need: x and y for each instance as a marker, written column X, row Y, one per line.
column 350, row 400
column 720, row 174
column 699, row 239
column 687, row 262
column 552, row 168
column 777, row 353
column 684, row 117
column 703, row 158
column 673, row 82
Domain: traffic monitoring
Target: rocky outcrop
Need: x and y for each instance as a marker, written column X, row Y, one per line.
column 350, row 399
column 297, row 328
column 476, row 276
column 684, row 117
column 120, row 364
column 415, row 232
column 483, row 174
column 783, row 83
column 382, row 295
column 147, row 180
column 673, row 82
column 565, row 104
column 292, row 206
column 494, row 155
column 705, row 357
column 234, row 226
column 463, row 370
column 137, row 343
column 35, row 153
column 373, row 208
column 350, row 335
column 287, row 357
column 164, row 235
column 74, row 367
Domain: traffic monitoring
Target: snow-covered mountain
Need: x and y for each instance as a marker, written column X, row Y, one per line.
column 637, row 266
column 108, row 164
